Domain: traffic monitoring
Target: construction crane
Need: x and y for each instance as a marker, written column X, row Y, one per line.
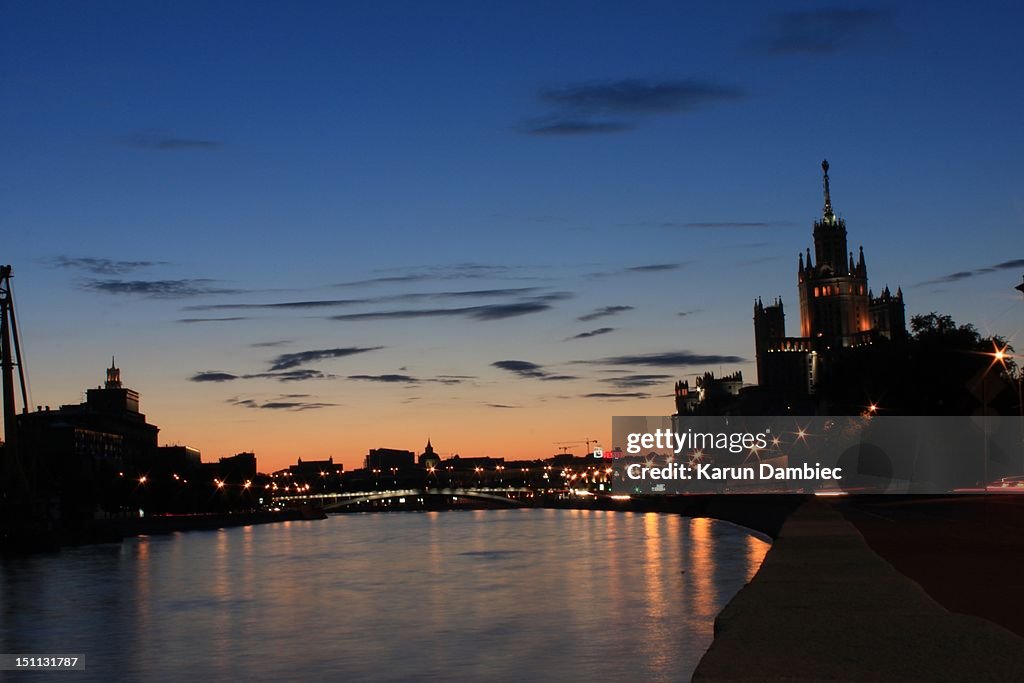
column 564, row 445
column 15, row 481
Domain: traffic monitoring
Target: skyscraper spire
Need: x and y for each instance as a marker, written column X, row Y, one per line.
column 828, row 215
column 113, row 375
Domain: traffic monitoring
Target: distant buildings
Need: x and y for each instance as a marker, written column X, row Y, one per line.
column 110, row 415
column 103, row 456
column 388, row 458
column 707, row 392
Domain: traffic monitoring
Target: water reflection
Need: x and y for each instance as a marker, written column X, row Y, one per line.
column 501, row 595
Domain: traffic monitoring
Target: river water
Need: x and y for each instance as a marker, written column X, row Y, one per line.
column 488, row 595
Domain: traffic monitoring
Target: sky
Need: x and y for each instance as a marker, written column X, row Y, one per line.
column 309, row 229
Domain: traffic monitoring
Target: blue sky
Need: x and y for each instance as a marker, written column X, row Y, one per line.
column 550, row 159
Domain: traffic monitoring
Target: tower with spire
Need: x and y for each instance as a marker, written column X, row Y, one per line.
column 838, row 311
column 113, row 375
column 833, row 287
column 428, row 458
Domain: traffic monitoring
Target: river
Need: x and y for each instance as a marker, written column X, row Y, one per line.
column 495, row 595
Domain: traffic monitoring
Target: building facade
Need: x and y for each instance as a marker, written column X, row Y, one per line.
column 839, row 314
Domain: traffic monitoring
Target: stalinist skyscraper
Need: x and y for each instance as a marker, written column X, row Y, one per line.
column 838, row 312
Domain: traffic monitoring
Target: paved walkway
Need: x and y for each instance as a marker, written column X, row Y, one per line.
column 825, row 607
column 967, row 552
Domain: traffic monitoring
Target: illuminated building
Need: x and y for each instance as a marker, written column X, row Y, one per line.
column 839, row 314
column 428, row 458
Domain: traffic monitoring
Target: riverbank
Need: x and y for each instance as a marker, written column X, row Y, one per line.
column 116, row 530
column 824, row 606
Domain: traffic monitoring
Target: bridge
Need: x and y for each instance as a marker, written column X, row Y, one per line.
column 414, row 498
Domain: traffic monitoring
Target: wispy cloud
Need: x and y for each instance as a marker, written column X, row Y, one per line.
column 192, row 321
column 401, row 378
column 603, row 312
column 689, row 312
column 299, row 375
column 654, row 268
column 965, row 274
column 585, row 108
column 213, row 376
column 572, row 126
column 638, row 96
column 667, row 359
column 159, row 289
column 622, row 395
column 440, row 273
column 485, row 312
column 270, row 344
column 286, row 402
column 334, row 303
column 166, row 143
column 500, row 405
column 529, row 370
column 286, row 361
column 386, row 379
column 821, row 31
column 636, row 381
column 102, row 266
column 592, row 333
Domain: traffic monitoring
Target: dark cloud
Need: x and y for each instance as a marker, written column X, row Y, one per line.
column 572, row 126
column 603, row 312
column 632, row 270
column 299, row 375
column 689, row 312
column 520, row 367
column 159, row 289
column 269, row 344
column 667, row 359
column 530, row 370
column 454, row 271
column 965, row 274
column 386, row 379
column 821, row 31
column 637, row 96
column 499, row 405
column 485, row 312
column 655, row 268
column 632, row 394
column 592, row 333
column 212, row 376
column 326, row 303
column 1005, row 265
column 287, row 361
column 450, row 379
column 284, row 402
column 164, row 143
column 286, row 376
column 637, row 381
column 190, row 321
column 332, row 303
column 102, row 266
